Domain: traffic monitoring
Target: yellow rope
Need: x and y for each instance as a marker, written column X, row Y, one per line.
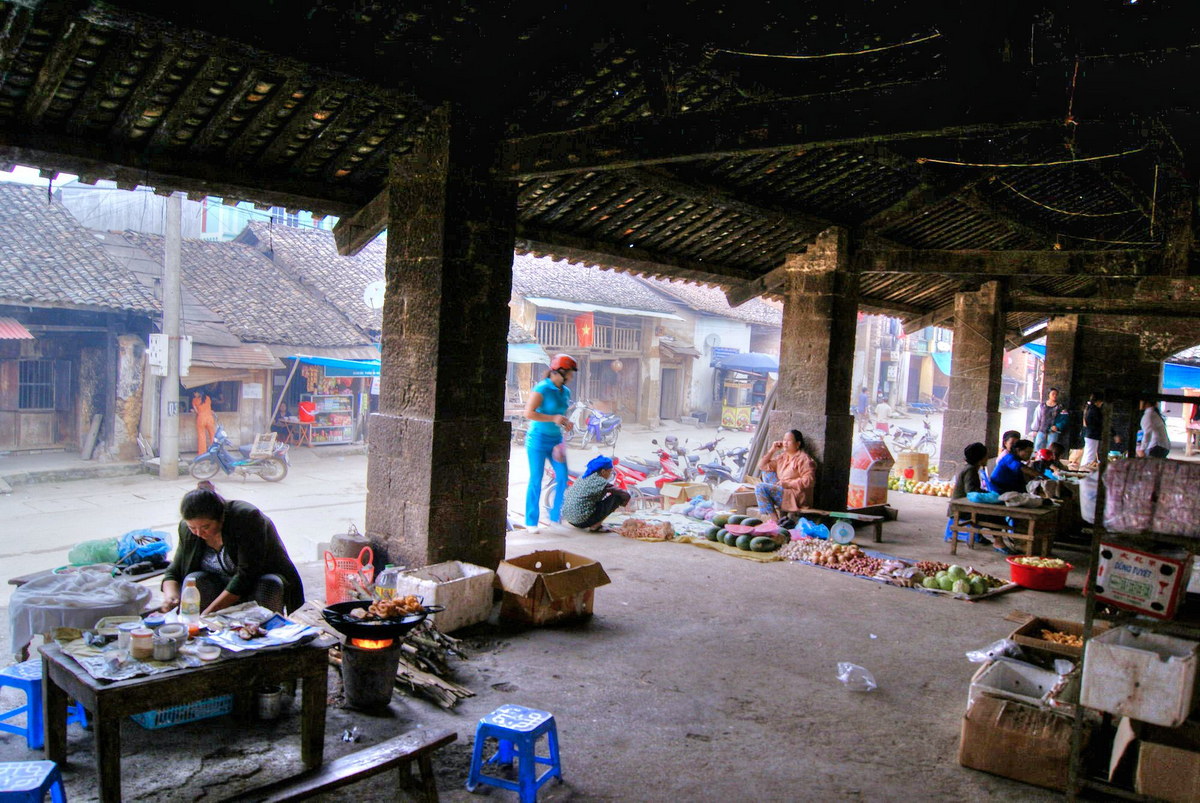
column 881, row 48
column 1108, row 242
column 927, row 159
column 1065, row 211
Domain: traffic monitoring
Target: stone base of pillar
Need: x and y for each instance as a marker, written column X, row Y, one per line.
column 437, row 490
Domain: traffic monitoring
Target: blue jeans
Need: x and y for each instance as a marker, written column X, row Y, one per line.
column 1045, row 439
column 538, row 448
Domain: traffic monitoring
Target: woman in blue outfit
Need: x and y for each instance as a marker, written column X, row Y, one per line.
column 547, row 408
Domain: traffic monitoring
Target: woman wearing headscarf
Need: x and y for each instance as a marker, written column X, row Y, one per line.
column 591, row 499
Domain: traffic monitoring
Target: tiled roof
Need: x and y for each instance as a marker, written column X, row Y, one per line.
column 712, row 300
column 259, row 302
column 311, row 256
column 48, row 257
column 518, row 334
column 543, row 277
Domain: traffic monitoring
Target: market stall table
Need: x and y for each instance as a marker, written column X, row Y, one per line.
column 1041, row 524
column 298, row 432
column 109, row 703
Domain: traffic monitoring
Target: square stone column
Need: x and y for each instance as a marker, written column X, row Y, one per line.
column 977, row 363
column 437, row 475
column 1062, row 338
column 816, row 362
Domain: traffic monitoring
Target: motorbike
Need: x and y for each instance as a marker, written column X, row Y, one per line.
column 910, row 440
column 601, row 427
column 222, row 455
column 718, row 471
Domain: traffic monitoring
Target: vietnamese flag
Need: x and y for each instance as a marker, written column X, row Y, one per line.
column 585, row 326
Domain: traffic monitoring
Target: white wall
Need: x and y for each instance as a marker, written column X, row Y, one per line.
column 733, row 335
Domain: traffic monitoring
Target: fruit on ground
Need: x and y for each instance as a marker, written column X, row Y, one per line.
column 736, row 518
column 763, row 543
column 743, row 542
column 712, row 532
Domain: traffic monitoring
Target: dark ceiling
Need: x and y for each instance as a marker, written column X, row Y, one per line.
column 690, row 138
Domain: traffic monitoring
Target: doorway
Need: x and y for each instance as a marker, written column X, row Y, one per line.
column 668, row 403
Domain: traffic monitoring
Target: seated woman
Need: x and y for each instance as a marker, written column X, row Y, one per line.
column 795, row 475
column 1011, row 473
column 970, row 477
column 591, row 499
column 235, row 554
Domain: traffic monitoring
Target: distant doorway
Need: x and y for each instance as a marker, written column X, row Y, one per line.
column 668, row 403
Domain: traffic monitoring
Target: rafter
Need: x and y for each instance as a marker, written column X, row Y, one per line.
column 934, row 318
column 1112, row 264
column 1070, row 305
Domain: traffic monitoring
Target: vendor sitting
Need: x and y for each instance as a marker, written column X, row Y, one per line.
column 795, row 475
column 591, row 499
column 1011, row 473
column 234, row 553
column 970, row 478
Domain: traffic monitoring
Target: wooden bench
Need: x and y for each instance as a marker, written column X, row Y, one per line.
column 862, row 518
column 1040, row 525
column 398, row 752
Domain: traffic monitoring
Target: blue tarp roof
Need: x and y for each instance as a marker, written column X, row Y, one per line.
column 751, row 363
column 1035, row 350
column 527, row 353
column 1176, row 376
column 942, row 360
column 341, row 368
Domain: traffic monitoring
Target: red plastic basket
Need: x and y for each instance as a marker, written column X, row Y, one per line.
column 1038, row 578
column 339, row 572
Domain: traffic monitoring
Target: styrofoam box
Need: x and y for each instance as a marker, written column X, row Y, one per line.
column 1012, row 680
column 464, row 588
column 1145, row 676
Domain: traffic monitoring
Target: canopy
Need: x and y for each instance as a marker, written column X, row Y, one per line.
column 1177, row 376
column 751, row 363
column 1035, row 350
column 942, row 360
column 574, row 306
column 341, row 368
column 527, row 353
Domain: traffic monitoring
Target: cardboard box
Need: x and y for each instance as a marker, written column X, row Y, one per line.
column 676, row 492
column 1010, row 679
column 1017, row 741
column 1030, row 634
column 548, row 586
column 742, row 501
column 1146, row 582
column 1146, row 676
column 723, row 492
column 1168, row 761
column 463, row 588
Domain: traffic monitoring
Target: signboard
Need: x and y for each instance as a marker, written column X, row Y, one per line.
column 156, row 354
column 252, row 390
column 719, row 353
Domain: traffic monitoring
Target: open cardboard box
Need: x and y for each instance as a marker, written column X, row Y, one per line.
column 1030, row 634
column 676, row 492
column 1168, row 759
column 548, row 586
column 1018, row 741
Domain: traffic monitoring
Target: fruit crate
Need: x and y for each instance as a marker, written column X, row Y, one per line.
column 188, row 712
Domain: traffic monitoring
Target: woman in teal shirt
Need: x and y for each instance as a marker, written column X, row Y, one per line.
column 547, row 408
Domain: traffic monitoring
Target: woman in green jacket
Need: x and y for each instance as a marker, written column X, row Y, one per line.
column 235, row 554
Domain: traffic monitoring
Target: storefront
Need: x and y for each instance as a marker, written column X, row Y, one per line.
column 325, row 401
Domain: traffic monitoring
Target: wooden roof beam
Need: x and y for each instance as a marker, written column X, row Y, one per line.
column 354, row 233
column 934, row 318
column 1071, row 305
column 1111, row 264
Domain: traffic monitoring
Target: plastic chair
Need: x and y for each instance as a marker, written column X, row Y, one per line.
column 27, row 676
column 29, row 781
column 517, row 730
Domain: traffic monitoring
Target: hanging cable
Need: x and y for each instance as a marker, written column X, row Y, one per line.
column 1108, row 242
column 931, row 160
column 1008, row 186
column 813, row 56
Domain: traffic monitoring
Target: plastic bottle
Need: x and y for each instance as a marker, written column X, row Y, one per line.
column 385, row 581
column 189, row 603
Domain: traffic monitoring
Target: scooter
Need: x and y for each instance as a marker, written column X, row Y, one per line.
column 909, row 440
column 717, row 472
column 601, row 427
column 222, row 457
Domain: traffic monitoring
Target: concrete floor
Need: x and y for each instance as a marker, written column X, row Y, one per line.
column 701, row 677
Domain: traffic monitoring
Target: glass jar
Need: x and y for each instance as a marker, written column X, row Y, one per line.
column 141, row 644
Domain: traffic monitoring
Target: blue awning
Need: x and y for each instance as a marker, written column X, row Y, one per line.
column 1035, row 350
column 341, row 368
column 527, row 353
column 1177, row 377
column 750, row 363
column 942, row 360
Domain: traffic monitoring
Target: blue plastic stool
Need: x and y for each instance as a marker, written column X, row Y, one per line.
column 27, row 676
column 517, row 730
column 29, row 780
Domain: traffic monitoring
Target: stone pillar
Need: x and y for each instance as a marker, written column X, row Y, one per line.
column 1113, row 357
column 1062, row 337
column 437, row 476
column 816, row 362
column 977, row 363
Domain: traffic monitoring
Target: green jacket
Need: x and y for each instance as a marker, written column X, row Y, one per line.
column 252, row 543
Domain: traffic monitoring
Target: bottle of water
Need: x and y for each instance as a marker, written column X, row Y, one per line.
column 385, row 581
column 189, row 603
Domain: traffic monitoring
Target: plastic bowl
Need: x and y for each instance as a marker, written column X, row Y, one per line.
column 208, row 652
column 1038, row 578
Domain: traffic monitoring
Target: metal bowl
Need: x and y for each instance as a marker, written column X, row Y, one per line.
column 338, row 616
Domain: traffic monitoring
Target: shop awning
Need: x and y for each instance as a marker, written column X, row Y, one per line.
column 677, row 349
column 554, row 303
column 246, row 355
column 527, row 353
column 340, row 368
column 11, row 329
column 751, row 363
column 1177, row 376
column 1035, row 350
column 365, row 352
column 942, row 360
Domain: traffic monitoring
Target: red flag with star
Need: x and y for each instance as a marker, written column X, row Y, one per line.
column 585, row 326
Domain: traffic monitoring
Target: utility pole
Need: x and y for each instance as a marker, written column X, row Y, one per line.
column 168, row 453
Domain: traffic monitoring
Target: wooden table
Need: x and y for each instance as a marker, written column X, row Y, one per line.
column 298, row 432
column 110, row 702
column 1041, row 524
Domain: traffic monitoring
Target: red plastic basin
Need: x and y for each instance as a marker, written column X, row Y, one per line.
column 1038, row 578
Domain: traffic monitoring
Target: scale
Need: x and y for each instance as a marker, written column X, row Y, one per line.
column 841, row 533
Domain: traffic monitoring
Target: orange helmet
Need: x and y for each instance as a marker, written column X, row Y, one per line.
column 563, row 362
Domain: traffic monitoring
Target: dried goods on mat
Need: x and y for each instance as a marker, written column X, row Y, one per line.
column 647, row 530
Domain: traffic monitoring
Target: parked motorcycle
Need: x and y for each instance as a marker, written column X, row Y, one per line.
column 910, row 440
column 222, row 455
column 714, row 472
column 601, row 427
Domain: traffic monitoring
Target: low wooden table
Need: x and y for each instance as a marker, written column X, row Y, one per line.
column 298, row 432
column 110, row 702
column 1041, row 524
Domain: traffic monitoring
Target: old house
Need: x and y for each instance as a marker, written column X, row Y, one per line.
column 73, row 326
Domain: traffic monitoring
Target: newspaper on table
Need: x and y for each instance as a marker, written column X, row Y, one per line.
column 276, row 630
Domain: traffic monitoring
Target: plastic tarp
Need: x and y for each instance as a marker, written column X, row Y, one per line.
column 751, row 363
column 527, row 353
column 1177, row 377
column 942, row 360
column 341, row 368
column 1035, row 350
column 74, row 599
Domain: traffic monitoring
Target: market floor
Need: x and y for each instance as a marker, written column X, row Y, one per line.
column 700, row 677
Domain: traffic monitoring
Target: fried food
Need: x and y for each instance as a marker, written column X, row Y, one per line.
column 395, row 607
column 1066, row 639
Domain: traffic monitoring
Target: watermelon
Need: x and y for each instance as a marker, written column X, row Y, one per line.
column 767, row 528
column 751, row 522
column 740, row 529
column 721, row 519
column 735, row 519
column 720, row 535
column 743, row 542
column 731, row 539
column 711, row 533
column 763, row 544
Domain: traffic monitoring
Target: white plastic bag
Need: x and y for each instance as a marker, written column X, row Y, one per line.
column 855, row 677
column 997, row 649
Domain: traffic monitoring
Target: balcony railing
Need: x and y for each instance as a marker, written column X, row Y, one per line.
column 561, row 336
